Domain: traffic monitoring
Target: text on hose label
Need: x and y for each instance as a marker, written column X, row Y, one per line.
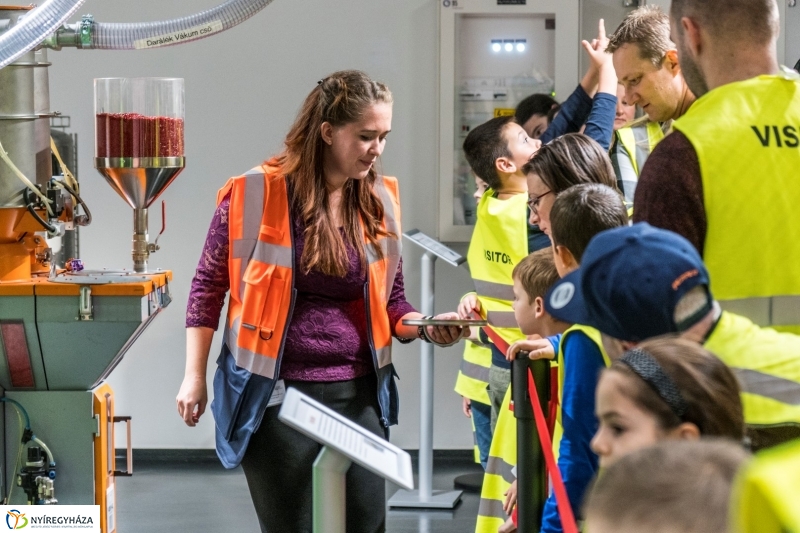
column 188, row 34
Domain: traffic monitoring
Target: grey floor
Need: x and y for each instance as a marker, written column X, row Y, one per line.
column 200, row 496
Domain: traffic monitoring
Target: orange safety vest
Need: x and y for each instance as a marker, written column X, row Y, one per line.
column 260, row 269
column 261, row 262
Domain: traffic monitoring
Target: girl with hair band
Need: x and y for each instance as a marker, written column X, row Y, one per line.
column 666, row 388
column 309, row 245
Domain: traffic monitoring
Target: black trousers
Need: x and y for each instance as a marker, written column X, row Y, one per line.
column 278, row 463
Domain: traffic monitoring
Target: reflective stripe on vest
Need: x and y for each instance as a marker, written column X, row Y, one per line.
column 639, row 141
column 766, row 492
column 767, row 364
column 261, row 261
column 498, row 477
column 767, row 311
column 595, row 337
column 746, row 135
column 473, row 377
column 499, row 241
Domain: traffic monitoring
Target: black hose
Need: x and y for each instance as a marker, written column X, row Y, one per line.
column 30, row 205
column 88, row 218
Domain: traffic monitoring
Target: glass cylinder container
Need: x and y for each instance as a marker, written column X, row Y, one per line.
column 139, row 117
column 139, row 145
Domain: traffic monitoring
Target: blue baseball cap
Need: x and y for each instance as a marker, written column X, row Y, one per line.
column 629, row 282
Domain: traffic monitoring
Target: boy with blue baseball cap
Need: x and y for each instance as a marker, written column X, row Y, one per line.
column 639, row 282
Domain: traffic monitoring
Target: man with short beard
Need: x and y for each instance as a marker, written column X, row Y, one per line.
column 728, row 178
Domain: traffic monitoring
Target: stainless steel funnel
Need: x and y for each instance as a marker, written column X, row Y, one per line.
column 139, row 181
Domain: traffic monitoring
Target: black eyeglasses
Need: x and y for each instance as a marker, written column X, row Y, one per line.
column 533, row 203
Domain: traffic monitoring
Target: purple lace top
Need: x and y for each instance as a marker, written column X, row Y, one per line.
column 327, row 336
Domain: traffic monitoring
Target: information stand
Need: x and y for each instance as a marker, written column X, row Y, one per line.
column 344, row 442
column 426, row 497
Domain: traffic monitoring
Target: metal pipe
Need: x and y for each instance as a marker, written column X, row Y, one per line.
column 17, row 118
column 41, row 103
column 140, row 250
column 426, row 386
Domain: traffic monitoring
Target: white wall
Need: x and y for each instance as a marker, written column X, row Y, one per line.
column 243, row 88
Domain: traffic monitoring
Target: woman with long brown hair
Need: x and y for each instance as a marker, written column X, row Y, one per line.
column 308, row 244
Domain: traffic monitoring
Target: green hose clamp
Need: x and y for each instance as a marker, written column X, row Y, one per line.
column 87, row 21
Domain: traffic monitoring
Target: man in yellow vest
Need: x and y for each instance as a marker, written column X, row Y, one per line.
column 766, row 495
column 646, row 61
column 727, row 178
column 639, row 282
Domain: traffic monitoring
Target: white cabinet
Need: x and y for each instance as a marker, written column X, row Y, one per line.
column 492, row 54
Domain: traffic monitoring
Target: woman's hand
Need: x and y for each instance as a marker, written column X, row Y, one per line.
column 192, row 399
column 446, row 335
column 537, row 347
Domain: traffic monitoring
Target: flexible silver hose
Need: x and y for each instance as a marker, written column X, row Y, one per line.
column 36, row 25
column 126, row 36
column 46, row 19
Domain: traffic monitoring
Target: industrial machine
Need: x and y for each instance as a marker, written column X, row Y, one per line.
column 64, row 329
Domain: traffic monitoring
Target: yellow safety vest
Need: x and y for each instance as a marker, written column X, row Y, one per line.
column 472, row 380
column 767, row 364
column 498, row 477
column 473, row 376
column 639, row 141
column 499, row 242
column 765, row 498
column 746, row 135
column 594, row 336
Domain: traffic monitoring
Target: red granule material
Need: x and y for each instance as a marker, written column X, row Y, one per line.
column 135, row 135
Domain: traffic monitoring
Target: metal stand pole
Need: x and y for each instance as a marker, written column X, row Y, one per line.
column 329, row 503
column 531, row 471
column 426, row 385
column 426, row 497
column 140, row 251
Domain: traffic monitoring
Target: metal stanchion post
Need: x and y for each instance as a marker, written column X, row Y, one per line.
column 426, row 497
column 426, row 386
column 531, row 471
